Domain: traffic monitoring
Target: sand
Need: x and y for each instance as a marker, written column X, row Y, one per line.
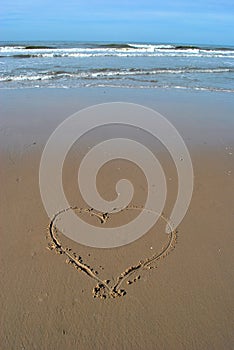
column 181, row 299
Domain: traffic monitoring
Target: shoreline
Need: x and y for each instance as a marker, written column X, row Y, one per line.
column 202, row 118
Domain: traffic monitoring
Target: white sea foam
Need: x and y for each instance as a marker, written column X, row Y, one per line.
column 112, row 73
column 130, row 50
column 117, row 65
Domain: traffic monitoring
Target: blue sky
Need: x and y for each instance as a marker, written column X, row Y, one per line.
column 180, row 21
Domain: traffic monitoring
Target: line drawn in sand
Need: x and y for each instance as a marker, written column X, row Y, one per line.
column 104, row 289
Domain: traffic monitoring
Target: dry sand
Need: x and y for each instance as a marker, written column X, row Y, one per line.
column 184, row 301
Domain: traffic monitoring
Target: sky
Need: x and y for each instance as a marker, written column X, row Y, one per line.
column 160, row 21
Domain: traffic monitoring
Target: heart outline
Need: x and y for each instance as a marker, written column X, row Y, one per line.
column 103, row 289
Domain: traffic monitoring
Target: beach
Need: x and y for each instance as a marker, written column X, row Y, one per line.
column 184, row 299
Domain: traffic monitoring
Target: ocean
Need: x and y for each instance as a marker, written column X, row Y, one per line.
column 128, row 65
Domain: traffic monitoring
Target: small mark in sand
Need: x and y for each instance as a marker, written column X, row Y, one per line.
column 134, row 280
column 31, row 144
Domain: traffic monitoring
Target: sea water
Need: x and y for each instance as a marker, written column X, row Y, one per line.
column 128, row 65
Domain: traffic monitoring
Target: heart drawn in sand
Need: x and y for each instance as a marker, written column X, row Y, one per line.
column 104, row 288
column 117, row 116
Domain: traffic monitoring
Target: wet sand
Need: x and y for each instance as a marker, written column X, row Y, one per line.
column 184, row 301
